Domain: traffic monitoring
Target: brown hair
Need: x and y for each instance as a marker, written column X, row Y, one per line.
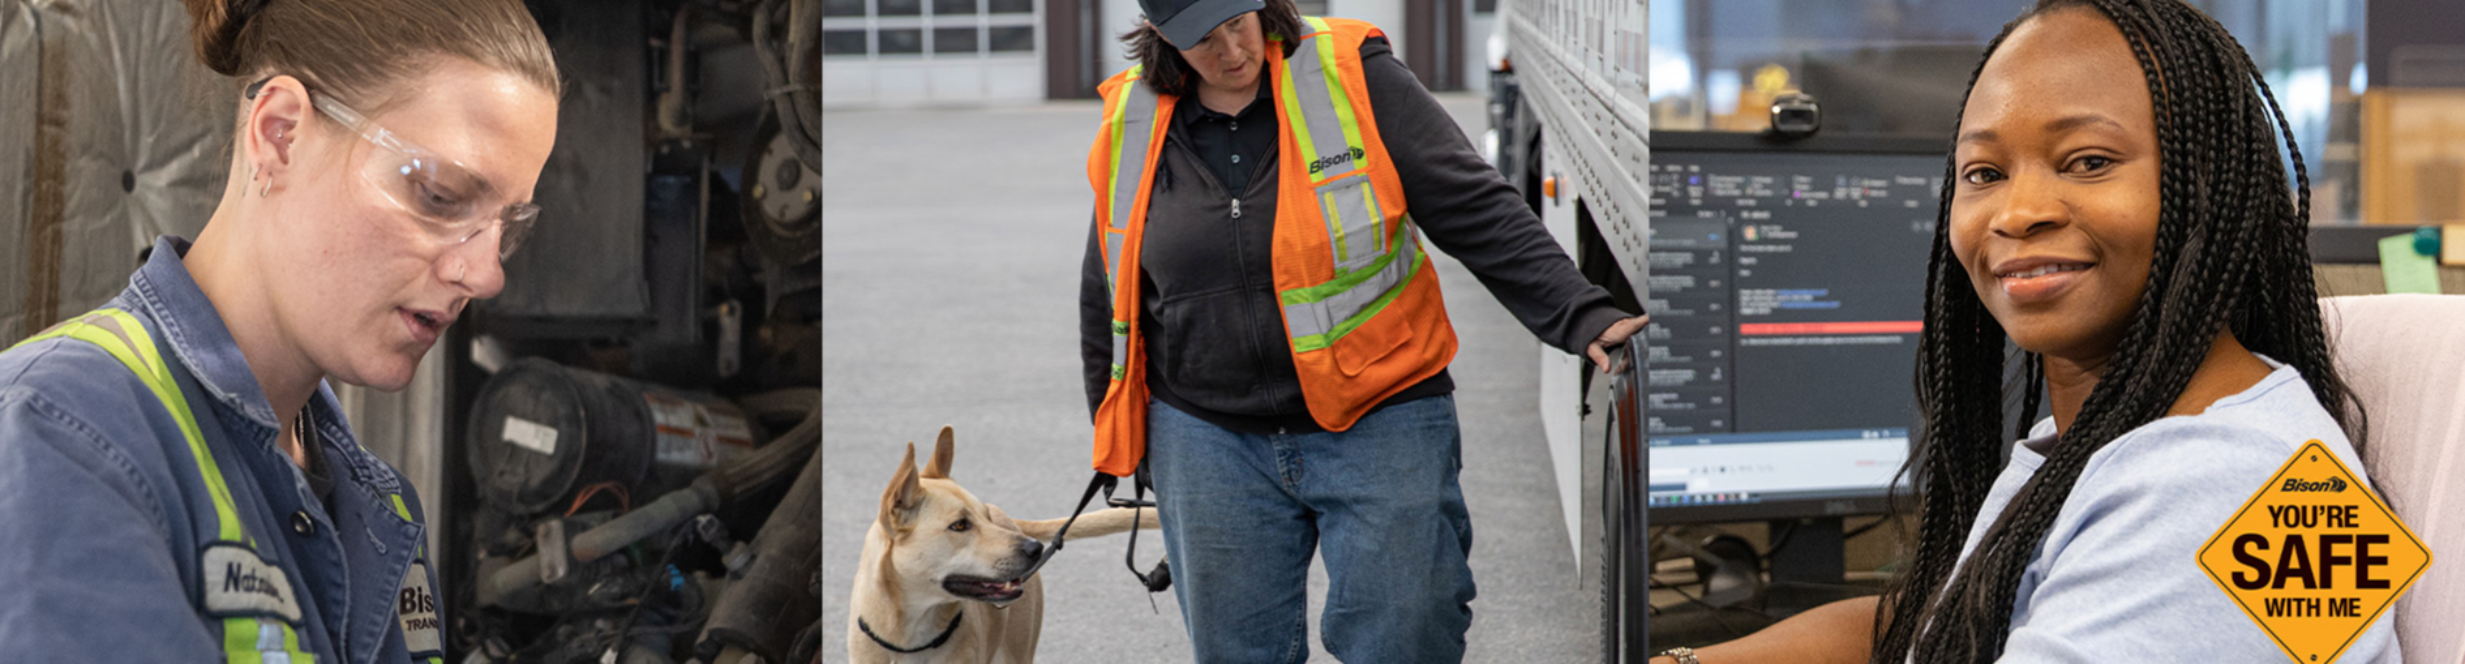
column 1161, row 63
column 359, row 50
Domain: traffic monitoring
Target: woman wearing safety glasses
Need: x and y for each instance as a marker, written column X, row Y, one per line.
column 176, row 480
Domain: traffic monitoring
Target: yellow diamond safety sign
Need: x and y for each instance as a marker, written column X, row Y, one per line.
column 2315, row 557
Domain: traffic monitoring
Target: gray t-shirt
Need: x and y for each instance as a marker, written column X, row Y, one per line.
column 2118, row 579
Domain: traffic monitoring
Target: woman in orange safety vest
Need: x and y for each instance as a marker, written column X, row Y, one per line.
column 1263, row 329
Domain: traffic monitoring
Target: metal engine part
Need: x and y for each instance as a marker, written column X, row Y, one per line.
column 782, row 198
column 542, row 433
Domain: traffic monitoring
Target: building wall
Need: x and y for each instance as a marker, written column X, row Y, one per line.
column 1388, row 15
column 932, row 52
column 891, row 53
column 1119, row 16
column 1479, row 19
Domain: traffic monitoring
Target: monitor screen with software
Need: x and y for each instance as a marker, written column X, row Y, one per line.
column 1786, row 294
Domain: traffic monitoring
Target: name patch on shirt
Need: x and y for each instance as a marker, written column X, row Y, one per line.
column 239, row 582
column 416, row 606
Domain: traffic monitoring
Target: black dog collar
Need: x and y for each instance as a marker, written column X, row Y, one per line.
column 937, row 641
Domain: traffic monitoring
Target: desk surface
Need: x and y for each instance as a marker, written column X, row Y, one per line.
column 1683, row 623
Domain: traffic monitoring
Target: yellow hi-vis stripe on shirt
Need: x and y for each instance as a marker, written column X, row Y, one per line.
column 246, row 640
column 119, row 334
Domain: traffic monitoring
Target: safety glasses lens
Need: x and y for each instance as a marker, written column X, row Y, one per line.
column 518, row 219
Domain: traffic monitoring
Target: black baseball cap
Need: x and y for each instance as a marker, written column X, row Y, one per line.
column 1185, row 22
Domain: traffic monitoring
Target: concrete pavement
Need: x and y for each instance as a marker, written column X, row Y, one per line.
column 952, row 241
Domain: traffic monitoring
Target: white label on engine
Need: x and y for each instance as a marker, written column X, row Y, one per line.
column 530, row 435
column 678, row 428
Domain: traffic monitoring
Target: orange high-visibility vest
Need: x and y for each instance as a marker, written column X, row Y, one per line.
column 1361, row 305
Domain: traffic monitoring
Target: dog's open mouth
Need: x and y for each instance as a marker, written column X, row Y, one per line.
column 983, row 589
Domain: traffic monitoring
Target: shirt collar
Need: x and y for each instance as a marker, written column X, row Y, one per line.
column 194, row 330
column 2041, row 438
column 1190, row 110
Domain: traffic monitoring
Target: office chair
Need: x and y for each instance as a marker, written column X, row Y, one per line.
column 2404, row 358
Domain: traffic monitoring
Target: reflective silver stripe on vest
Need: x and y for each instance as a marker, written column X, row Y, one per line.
column 1130, row 166
column 1131, row 138
column 1355, row 227
column 1112, row 257
column 1347, row 200
column 1310, row 80
column 1310, row 319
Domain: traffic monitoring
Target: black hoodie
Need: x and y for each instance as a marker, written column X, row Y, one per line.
column 1216, row 347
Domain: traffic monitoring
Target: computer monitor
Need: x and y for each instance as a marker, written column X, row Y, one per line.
column 1786, row 295
column 1896, row 88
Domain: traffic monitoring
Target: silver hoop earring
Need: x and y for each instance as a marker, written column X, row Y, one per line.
column 459, row 274
column 268, row 188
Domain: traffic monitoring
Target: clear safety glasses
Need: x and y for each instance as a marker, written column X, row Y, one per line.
column 442, row 194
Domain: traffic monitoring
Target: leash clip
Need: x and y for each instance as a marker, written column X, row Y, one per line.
column 1102, row 482
column 1156, row 580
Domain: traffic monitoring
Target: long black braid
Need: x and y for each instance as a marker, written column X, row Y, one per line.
column 2231, row 254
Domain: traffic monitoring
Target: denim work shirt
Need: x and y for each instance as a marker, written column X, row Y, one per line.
column 104, row 514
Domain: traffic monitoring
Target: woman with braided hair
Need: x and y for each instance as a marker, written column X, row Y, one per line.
column 2116, row 207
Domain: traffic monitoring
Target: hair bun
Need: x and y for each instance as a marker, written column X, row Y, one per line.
column 216, row 27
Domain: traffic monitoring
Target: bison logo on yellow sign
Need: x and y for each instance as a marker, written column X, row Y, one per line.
column 2315, row 557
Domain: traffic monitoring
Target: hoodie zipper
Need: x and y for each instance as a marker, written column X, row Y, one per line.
column 1258, row 346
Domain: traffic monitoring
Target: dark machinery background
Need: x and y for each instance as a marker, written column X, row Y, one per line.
column 632, row 424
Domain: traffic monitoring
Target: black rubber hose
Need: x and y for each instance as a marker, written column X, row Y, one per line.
column 763, row 610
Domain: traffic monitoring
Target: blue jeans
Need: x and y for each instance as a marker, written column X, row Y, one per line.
column 1243, row 513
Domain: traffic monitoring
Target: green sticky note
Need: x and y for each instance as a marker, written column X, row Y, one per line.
column 2407, row 270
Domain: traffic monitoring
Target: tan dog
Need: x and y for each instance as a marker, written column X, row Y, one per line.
column 939, row 577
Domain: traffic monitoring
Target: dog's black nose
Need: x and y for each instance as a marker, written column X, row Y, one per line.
column 1031, row 549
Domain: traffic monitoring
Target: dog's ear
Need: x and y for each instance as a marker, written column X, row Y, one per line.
column 939, row 467
column 899, row 502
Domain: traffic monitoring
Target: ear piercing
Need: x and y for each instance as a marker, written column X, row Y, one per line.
column 269, row 179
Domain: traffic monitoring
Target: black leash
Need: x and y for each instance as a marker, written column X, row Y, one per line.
column 937, row 641
column 1161, row 578
column 1102, row 482
column 1157, row 580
